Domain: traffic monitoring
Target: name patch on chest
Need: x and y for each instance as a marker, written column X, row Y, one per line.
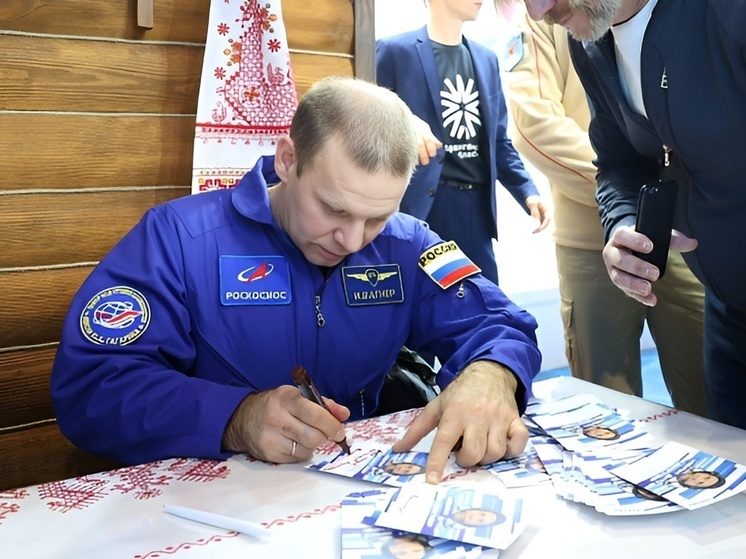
column 372, row 285
column 254, row 280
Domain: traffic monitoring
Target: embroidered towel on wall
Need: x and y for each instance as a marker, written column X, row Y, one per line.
column 247, row 94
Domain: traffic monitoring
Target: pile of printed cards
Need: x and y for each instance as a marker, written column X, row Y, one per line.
column 590, row 453
column 420, row 519
column 406, row 517
column 596, row 456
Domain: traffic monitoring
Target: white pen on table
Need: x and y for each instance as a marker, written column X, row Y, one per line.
column 218, row 521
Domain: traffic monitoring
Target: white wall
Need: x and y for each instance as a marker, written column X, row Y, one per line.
column 526, row 261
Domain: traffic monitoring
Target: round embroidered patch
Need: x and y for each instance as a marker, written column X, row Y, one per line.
column 115, row 316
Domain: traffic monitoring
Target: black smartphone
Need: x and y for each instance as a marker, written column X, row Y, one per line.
column 655, row 208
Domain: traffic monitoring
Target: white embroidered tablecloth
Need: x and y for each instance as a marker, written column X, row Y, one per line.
column 119, row 514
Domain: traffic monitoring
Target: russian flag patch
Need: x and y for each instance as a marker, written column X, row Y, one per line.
column 446, row 264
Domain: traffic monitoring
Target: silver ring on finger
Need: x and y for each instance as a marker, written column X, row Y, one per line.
column 295, row 447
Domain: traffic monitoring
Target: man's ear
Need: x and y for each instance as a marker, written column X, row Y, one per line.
column 284, row 158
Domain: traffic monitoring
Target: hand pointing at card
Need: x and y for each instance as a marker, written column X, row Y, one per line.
column 480, row 408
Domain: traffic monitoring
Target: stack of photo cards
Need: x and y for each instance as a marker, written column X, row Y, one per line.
column 441, row 521
column 524, row 470
column 596, row 456
column 684, row 475
column 362, row 539
column 581, row 423
column 585, row 479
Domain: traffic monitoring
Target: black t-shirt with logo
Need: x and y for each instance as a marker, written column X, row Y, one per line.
column 460, row 111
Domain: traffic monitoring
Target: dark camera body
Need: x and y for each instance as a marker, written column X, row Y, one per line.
column 655, row 209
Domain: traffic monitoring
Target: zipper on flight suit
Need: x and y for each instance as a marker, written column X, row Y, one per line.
column 320, row 320
column 666, row 155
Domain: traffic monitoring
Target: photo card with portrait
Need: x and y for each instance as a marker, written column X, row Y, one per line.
column 524, row 470
column 361, row 540
column 462, row 513
column 581, row 423
column 383, row 466
column 684, row 475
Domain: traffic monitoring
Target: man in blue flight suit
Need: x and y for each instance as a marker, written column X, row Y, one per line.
column 182, row 341
column 667, row 81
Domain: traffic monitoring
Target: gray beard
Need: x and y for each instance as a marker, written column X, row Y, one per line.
column 601, row 16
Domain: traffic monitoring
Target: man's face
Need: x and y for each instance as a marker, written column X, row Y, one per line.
column 586, row 20
column 407, row 549
column 475, row 517
column 597, row 432
column 701, row 480
column 465, row 10
column 404, row 469
column 334, row 208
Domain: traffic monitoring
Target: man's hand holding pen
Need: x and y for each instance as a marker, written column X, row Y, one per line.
column 282, row 426
column 479, row 410
column 476, row 416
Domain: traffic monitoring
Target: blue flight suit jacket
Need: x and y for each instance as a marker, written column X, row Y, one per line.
column 693, row 73
column 207, row 300
column 406, row 64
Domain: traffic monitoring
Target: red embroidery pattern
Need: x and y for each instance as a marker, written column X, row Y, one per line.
column 386, row 430
column 6, row 507
column 199, row 471
column 170, row 550
column 304, row 515
column 263, row 102
column 661, row 415
column 203, row 542
column 142, row 479
column 69, row 494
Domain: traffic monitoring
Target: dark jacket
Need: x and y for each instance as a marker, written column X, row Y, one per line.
column 694, row 89
column 406, row 64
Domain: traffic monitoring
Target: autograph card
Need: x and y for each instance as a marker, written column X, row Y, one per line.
column 365, row 541
column 684, row 475
column 348, row 465
column 458, row 513
column 630, row 500
column 521, row 471
column 383, row 466
column 585, row 425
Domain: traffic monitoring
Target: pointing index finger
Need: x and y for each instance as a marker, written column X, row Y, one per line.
column 420, row 427
column 444, row 443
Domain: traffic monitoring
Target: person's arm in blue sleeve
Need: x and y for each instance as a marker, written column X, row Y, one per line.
column 137, row 402
column 429, row 144
column 490, row 356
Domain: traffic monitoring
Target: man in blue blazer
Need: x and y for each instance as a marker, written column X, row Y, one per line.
column 453, row 85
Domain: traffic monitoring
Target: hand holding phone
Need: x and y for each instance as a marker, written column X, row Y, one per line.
column 655, row 209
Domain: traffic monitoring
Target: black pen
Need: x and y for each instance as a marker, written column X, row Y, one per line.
column 307, row 388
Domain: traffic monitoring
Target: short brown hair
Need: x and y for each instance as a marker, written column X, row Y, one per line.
column 374, row 124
